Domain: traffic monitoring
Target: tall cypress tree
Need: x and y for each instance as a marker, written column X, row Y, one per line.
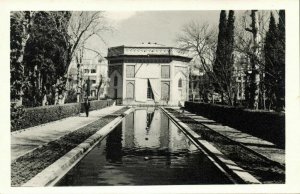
column 281, row 59
column 223, row 66
column 220, row 52
column 229, row 54
column 271, row 62
column 230, row 38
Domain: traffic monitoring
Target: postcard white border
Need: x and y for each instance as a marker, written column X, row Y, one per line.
column 292, row 89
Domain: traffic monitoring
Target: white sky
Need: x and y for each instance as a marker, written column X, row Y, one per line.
column 135, row 27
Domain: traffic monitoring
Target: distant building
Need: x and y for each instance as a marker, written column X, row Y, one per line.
column 240, row 68
column 148, row 74
column 90, row 69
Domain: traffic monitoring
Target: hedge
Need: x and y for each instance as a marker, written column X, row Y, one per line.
column 263, row 124
column 44, row 114
column 98, row 104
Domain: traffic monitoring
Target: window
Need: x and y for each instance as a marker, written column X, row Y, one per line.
column 165, row 71
column 116, row 81
column 180, row 83
column 165, row 90
column 130, row 90
column 149, row 91
column 93, row 81
column 130, row 71
column 93, row 70
column 86, row 71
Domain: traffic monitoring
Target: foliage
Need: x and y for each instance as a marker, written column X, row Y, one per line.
column 46, row 53
column 16, row 116
column 281, row 58
column 274, row 52
column 97, row 104
column 43, row 44
column 223, row 66
column 19, row 24
column 264, row 124
column 221, row 51
column 83, row 26
column 40, row 115
column 200, row 40
column 28, row 117
column 71, row 96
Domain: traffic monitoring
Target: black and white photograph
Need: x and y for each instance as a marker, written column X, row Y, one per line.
column 102, row 97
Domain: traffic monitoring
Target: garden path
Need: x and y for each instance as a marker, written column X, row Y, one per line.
column 260, row 146
column 24, row 141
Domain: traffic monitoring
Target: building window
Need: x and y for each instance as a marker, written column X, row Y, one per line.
column 130, row 90
column 93, row 70
column 93, row 81
column 165, row 90
column 149, row 91
column 86, row 71
column 116, row 81
column 180, row 83
column 130, row 71
column 165, row 71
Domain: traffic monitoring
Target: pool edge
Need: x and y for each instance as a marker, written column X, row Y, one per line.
column 56, row 171
column 235, row 173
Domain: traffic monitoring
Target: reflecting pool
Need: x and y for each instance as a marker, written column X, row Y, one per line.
column 145, row 149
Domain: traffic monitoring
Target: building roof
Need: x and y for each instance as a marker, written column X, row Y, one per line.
column 148, row 50
column 146, row 44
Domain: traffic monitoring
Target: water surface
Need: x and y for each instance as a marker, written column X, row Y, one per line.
column 145, row 149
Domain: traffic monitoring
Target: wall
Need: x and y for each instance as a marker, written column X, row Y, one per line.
column 119, row 86
column 143, row 71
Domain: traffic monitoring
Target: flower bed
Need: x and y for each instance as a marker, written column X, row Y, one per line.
column 27, row 166
column 263, row 124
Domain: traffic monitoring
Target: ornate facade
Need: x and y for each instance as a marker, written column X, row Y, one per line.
column 148, row 74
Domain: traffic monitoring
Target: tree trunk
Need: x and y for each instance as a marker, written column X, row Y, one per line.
column 254, row 77
column 27, row 23
column 99, row 87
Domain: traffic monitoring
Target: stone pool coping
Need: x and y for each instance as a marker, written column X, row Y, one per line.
column 53, row 173
column 235, row 173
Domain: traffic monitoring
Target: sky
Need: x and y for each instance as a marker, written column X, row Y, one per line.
column 162, row 27
column 136, row 27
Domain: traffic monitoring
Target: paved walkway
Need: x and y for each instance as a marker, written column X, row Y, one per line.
column 265, row 148
column 24, row 141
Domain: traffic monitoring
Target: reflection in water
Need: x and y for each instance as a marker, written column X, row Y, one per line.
column 113, row 147
column 146, row 149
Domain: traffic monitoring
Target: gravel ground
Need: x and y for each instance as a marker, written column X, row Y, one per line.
column 27, row 166
column 262, row 169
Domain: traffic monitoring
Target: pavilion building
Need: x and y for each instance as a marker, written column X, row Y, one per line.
column 148, row 74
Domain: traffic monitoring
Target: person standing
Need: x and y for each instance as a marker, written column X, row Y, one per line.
column 87, row 106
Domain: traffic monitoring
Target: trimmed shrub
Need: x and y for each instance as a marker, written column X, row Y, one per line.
column 98, row 104
column 17, row 114
column 44, row 114
column 263, row 124
column 30, row 117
